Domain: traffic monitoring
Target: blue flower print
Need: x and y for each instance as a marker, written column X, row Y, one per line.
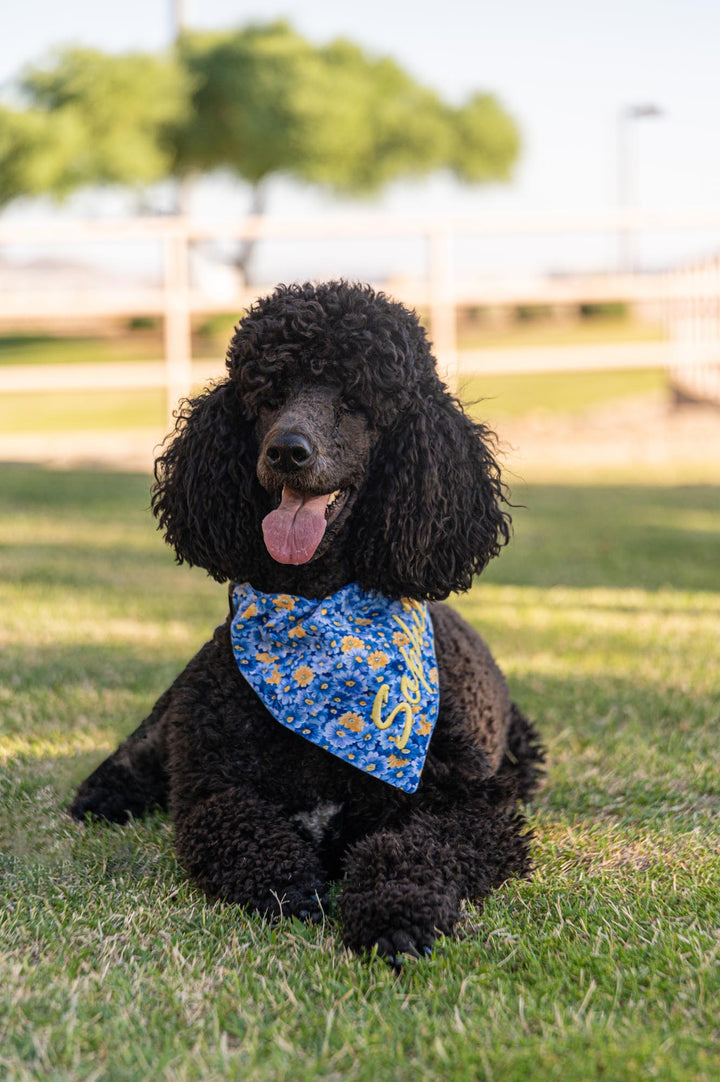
column 354, row 673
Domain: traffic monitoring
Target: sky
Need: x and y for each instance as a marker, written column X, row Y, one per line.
column 563, row 68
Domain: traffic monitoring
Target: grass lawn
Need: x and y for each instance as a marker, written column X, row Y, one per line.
column 500, row 396
column 90, row 411
column 82, row 349
column 605, row 613
column 591, row 332
column 495, row 397
column 211, row 336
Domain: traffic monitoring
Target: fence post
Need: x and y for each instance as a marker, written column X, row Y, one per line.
column 178, row 342
column 441, row 288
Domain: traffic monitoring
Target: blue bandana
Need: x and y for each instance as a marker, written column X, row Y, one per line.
column 355, row 673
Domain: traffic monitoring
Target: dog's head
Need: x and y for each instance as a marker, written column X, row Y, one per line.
column 332, row 434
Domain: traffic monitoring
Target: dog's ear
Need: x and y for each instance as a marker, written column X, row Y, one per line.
column 206, row 494
column 432, row 515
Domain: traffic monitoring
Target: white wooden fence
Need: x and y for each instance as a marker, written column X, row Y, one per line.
column 690, row 297
column 692, row 316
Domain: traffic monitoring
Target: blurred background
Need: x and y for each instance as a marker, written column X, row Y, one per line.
column 542, row 182
column 543, row 186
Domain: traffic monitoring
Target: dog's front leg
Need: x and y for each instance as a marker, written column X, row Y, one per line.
column 404, row 887
column 239, row 847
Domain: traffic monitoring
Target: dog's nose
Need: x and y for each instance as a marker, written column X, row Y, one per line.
column 289, row 451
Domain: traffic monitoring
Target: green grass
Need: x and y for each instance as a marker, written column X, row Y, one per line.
column 494, row 398
column 591, row 332
column 86, row 349
column 86, row 411
column 499, row 396
column 604, row 612
column 212, row 333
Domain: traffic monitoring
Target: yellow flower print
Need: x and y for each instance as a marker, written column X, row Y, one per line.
column 274, row 677
column 283, row 601
column 424, row 728
column 377, row 660
column 266, row 658
column 352, row 721
column 400, row 638
column 251, row 610
column 394, row 760
column 351, row 642
column 433, row 675
column 297, row 632
column 303, row 676
column 361, row 621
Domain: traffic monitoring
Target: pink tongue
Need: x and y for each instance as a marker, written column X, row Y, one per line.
column 293, row 532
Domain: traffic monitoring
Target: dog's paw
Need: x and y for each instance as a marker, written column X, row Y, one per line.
column 102, row 803
column 112, row 793
column 399, row 947
column 307, row 905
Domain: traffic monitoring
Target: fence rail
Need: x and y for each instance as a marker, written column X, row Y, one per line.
column 688, row 297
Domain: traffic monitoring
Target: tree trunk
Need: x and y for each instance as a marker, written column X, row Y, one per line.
column 246, row 249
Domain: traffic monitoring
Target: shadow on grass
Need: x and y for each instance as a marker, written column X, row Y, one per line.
column 600, row 728
column 108, row 666
column 100, row 493
column 616, row 747
column 609, row 535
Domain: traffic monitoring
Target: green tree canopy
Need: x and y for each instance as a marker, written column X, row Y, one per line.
column 266, row 101
column 246, row 112
column 35, row 153
column 485, row 141
column 112, row 114
column 368, row 122
column 258, row 102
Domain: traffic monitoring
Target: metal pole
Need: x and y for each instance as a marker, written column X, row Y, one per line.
column 624, row 185
column 623, row 189
column 178, row 326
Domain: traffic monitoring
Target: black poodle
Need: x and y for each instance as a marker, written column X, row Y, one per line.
column 338, row 487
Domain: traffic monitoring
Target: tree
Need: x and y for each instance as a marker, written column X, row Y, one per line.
column 369, row 123
column 257, row 102
column 246, row 113
column 485, row 141
column 35, row 153
column 267, row 102
column 110, row 116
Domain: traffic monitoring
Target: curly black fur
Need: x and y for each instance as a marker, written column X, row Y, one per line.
column 263, row 817
column 430, row 460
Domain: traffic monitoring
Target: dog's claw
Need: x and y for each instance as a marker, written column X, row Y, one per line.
column 310, row 916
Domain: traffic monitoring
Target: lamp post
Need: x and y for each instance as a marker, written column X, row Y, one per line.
column 178, row 23
column 626, row 115
column 178, row 17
